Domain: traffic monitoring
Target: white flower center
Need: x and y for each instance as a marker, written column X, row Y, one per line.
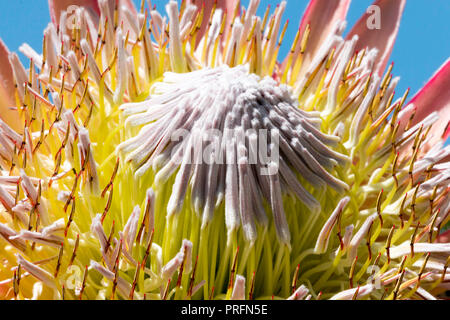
column 233, row 136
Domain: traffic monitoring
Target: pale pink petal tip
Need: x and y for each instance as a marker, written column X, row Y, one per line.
column 433, row 97
column 6, row 78
column 58, row 6
column 321, row 16
column 7, row 98
column 225, row 5
column 129, row 4
column 378, row 28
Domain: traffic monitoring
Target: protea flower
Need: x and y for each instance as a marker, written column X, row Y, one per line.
column 179, row 157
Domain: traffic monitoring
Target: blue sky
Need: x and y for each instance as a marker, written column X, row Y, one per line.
column 422, row 44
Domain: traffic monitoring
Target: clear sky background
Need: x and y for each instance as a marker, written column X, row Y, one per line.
column 423, row 43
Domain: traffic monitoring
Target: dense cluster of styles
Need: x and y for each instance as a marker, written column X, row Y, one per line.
column 344, row 196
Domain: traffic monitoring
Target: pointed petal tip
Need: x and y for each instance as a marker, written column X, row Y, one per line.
column 323, row 10
column 433, row 97
column 321, row 16
column 7, row 95
column 226, row 5
column 378, row 28
column 58, row 6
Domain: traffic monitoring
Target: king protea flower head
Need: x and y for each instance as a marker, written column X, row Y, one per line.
column 173, row 154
